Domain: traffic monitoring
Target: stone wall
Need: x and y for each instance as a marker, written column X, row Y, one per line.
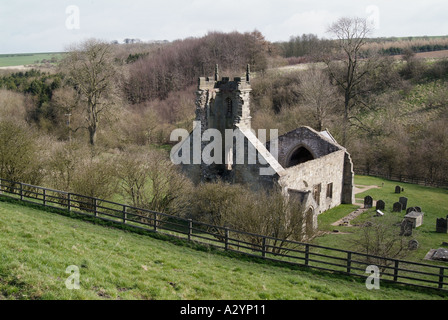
column 348, row 195
column 303, row 137
column 326, row 171
column 309, row 162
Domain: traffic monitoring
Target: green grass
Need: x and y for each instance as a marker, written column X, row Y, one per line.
column 37, row 246
column 333, row 215
column 10, row 60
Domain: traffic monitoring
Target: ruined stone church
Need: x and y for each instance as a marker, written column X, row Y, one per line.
column 307, row 164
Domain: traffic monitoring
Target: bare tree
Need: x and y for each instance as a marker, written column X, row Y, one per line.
column 345, row 65
column 19, row 159
column 318, row 95
column 255, row 212
column 90, row 70
column 12, row 105
column 381, row 240
column 150, row 181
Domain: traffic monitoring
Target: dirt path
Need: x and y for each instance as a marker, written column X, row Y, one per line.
column 352, row 215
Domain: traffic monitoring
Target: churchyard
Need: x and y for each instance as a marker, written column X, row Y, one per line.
column 424, row 207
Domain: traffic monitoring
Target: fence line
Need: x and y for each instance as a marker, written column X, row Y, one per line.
column 269, row 248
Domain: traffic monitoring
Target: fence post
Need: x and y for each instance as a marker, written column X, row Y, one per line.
column 263, row 250
column 96, row 207
column 125, row 215
column 396, row 271
column 441, row 277
column 226, row 240
column 21, row 191
column 307, row 254
column 155, row 221
column 349, row 262
column 190, row 229
column 44, row 195
column 69, row 200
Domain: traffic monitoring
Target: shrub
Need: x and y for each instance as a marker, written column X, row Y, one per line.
column 237, row 207
column 381, row 236
column 19, row 159
column 150, row 181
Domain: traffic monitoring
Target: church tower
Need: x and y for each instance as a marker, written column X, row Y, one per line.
column 223, row 104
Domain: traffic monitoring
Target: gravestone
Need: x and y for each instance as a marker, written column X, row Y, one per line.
column 418, row 209
column 410, row 209
column 413, row 244
column 406, row 228
column 397, row 207
column 368, row 202
column 440, row 254
column 442, row 225
column 404, row 202
column 397, row 189
column 379, row 213
column 415, row 217
column 380, row 205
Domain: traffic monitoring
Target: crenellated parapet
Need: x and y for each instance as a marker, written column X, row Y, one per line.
column 224, row 103
column 225, row 83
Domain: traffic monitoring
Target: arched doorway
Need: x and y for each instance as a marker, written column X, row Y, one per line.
column 298, row 156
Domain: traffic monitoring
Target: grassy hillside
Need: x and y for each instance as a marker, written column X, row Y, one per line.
column 37, row 246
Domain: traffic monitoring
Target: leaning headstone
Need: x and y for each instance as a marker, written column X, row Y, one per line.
column 397, row 189
column 442, row 225
column 380, row 205
column 379, row 213
column 440, row 254
column 413, row 244
column 406, row 228
column 397, row 207
column 368, row 202
column 415, row 217
column 404, row 202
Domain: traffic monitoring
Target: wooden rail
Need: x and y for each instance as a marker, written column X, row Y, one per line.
column 406, row 179
column 265, row 247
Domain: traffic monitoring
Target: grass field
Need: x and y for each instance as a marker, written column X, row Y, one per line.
column 37, row 246
column 10, row 60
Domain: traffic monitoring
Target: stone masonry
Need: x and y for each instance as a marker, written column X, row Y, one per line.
column 308, row 163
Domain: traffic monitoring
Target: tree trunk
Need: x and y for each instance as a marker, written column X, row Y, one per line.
column 345, row 124
column 92, row 135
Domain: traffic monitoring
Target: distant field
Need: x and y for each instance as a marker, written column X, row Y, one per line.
column 441, row 54
column 37, row 246
column 11, row 60
column 432, row 55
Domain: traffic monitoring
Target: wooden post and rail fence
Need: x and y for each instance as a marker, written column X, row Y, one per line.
column 292, row 252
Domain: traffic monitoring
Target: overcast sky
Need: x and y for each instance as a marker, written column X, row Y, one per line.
column 51, row 25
